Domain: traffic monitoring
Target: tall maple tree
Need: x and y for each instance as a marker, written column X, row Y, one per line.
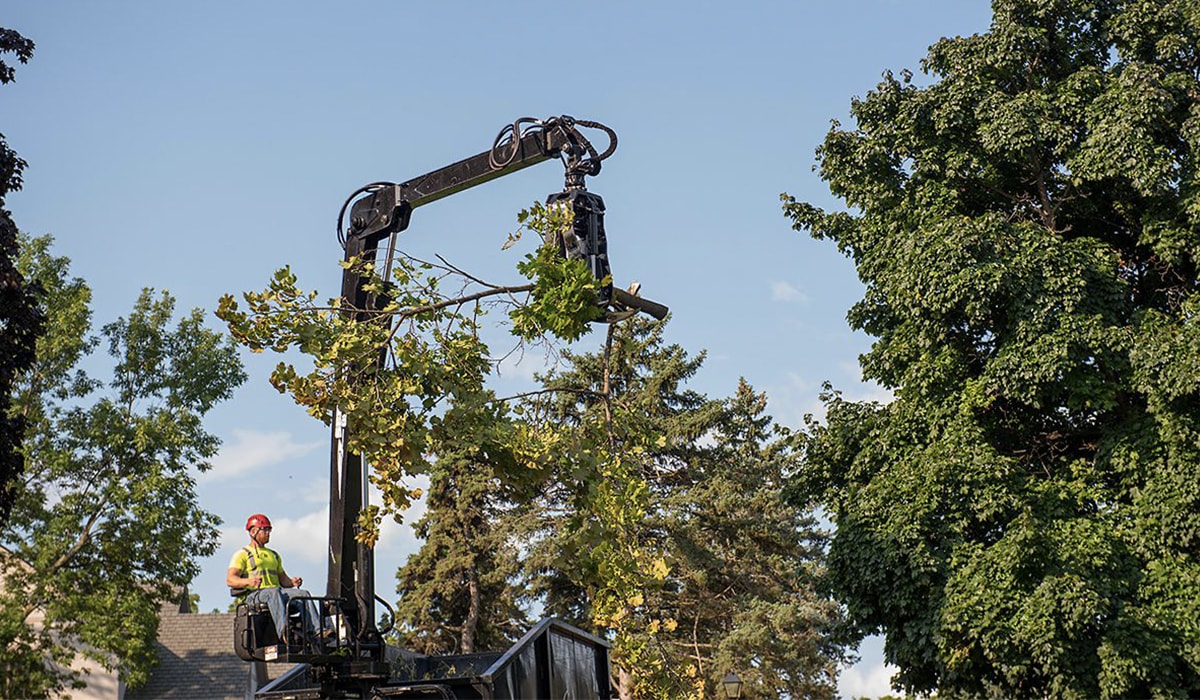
column 106, row 526
column 1023, row 519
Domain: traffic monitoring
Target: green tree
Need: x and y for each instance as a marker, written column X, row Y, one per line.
column 20, row 318
column 105, row 527
column 432, row 354
column 680, row 546
column 623, row 426
column 1023, row 519
column 457, row 593
column 747, row 567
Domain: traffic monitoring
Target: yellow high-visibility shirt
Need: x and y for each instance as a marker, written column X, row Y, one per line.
column 266, row 564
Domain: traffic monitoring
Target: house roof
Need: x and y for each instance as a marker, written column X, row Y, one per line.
column 197, row 661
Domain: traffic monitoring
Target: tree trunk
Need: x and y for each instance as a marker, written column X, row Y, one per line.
column 472, row 622
column 624, row 684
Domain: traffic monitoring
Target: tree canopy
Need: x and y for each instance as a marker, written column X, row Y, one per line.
column 597, row 496
column 1023, row 518
column 105, row 526
column 20, row 318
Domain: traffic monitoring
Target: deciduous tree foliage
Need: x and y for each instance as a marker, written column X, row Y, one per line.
column 20, row 318
column 106, row 525
column 1023, row 518
column 427, row 328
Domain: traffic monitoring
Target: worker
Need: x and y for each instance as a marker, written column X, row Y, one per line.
column 256, row 575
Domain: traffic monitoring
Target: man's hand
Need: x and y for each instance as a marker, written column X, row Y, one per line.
column 254, row 581
column 296, row 581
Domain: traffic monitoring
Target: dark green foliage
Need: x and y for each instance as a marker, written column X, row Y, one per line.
column 457, row 593
column 746, row 566
column 1024, row 518
column 622, row 400
column 20, row 318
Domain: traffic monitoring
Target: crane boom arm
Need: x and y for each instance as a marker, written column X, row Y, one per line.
column 388, row 207
column 384, row 210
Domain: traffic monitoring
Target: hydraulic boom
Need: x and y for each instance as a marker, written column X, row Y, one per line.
column 378, row 212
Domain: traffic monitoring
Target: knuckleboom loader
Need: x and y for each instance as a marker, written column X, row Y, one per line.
column 348, row 658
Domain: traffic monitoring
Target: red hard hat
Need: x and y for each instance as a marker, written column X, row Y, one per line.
column 257, row 520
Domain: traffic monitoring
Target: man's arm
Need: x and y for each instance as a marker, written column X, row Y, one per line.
column 234, row 579
column 287, row 581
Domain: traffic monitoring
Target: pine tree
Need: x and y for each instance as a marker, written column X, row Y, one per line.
column 686, row 552
column 457, row 592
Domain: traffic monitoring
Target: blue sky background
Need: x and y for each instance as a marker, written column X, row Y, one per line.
column 197, row 147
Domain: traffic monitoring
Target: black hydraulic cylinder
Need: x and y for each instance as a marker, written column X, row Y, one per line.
column 351, row 571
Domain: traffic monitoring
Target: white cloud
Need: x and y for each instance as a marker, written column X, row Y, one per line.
column 782, row 291
column 252, row 449
column 397, row 540
column 799, row 383
column 304, row 538
column 866, row 680
column 869, row 391
column 300, row 541
column 314, row 491
column 790, row 402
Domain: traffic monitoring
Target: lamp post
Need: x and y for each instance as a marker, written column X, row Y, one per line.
column 732, row 685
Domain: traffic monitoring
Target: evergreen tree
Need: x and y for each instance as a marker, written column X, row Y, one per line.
column 747, row 567
column 457, row 592
column 717, row 573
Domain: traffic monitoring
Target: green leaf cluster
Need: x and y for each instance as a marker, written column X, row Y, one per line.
column 105, row 527
column 1022, row 519
column 432, row 357
column 563, row 302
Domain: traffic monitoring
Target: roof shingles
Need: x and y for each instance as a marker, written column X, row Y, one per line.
column 197, row 661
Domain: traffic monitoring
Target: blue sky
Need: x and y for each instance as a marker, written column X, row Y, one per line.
column 197, row 147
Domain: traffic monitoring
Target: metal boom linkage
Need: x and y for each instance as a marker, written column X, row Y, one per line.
column 377, row 212
column 386, row 210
